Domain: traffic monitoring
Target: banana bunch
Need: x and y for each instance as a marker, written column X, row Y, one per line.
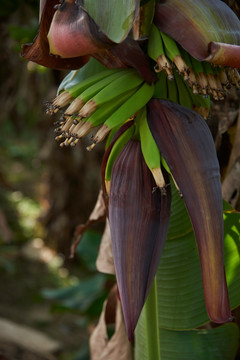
column 107, row 99
column 178, row 91
column 201, row 76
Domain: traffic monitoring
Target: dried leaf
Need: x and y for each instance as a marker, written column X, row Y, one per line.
column 118, row 346
column 105, row 263
column 98, row 214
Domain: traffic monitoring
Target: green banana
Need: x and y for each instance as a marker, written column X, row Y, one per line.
column 198, row 102
column 200, row 75
column 110, row 137
column 213, row 84
column 116, row 149
column 78, row 103
column 197, row 65
column 68, row 95
column 165, row 165
column 77, row 89
column 157, row 53
column 96, row 87
column 149, row 148
column 170, row 45
column 224, row 80
column 184, row 96
column 99, row 116
column 208, row 69
column 155, row 44
column 186, row 57
column 116, row 88
column 189, row 75
column 172, row 90
column 124, row 112
column 173, row 52
column 160, row 90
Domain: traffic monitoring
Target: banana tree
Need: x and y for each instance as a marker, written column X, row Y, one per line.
column 148, row 73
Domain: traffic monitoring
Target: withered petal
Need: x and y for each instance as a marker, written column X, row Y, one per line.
column 186, row 143
column 194, row 25
column 138, row 218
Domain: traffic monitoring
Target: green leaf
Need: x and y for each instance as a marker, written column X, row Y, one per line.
column 87, row 250
column 114, row 17
column 232, row 255
column 206, row 344
column 78, row 297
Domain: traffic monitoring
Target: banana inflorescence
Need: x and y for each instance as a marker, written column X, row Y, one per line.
column 104, row 100
column 202, row 77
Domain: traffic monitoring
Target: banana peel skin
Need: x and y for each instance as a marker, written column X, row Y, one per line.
column 186, row 143
column 139, row 216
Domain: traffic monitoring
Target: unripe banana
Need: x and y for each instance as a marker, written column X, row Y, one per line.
column 117, row 87
column 212, row 82
column 197, row 65
column 102, row 113
column 156, row 52
column 155, row 44
column 173, row 52
column 184, row 96
column 172, row 90
column 98, row 86
column 165, row 165
column 149, row 148
column 99, row 116
column 116, row 149
column 125, row 111
column 70, row 94
column 197, row 102
column 189, row 76
column 161, row 86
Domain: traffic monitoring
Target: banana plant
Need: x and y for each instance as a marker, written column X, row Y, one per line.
column 148, row 71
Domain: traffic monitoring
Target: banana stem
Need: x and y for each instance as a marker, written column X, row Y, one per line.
column 151, row 322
